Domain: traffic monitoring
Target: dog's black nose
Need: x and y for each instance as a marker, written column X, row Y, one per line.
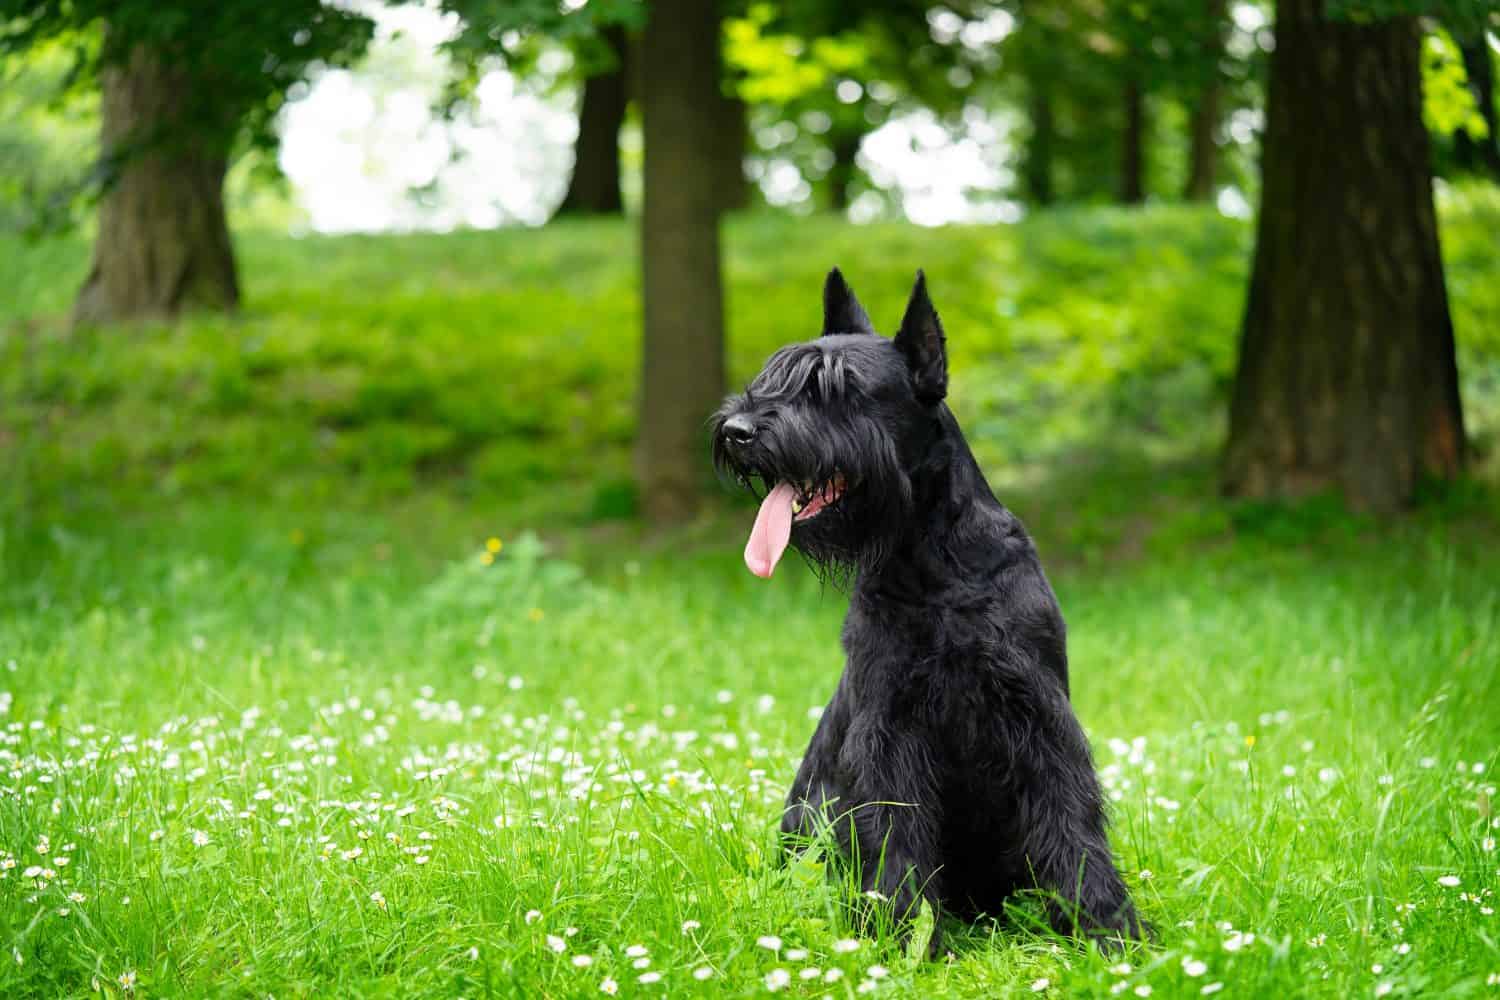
column 739, row 429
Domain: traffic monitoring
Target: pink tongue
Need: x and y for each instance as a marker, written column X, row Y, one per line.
column 773, row 529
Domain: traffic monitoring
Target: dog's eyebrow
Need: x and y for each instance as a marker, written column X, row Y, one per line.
column 788, row 372
column 793, row 369
column 832, row 375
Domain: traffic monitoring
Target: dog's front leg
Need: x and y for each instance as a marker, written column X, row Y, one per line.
column 816, row 792
column 895, row 824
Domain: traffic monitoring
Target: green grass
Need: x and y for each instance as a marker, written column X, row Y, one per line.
column 247, row 630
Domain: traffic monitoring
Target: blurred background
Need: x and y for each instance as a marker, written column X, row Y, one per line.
column 610, row 211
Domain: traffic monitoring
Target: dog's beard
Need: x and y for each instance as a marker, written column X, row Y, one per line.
column 834, row 545
column 838, row 497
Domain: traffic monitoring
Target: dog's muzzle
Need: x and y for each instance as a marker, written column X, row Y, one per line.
column 738, row 431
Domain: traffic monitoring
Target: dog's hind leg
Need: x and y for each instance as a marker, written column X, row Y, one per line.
column 1065, row 844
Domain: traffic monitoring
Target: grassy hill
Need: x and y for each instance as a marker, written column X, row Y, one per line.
column 289, row 679
column 503, row 364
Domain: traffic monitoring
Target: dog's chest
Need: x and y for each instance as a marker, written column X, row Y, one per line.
column 921, row 664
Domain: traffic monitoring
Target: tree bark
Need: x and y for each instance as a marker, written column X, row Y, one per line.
column 595, row 186
column 683, row 357
column 163, row 244
column 1037, row 169
column 1471, row 153
column 1347, row 376
column 844, row 144
column 1133, row 145
column 1203, row 118
column 733, row 140
column 1203, row 150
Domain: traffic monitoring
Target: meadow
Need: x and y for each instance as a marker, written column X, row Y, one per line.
column 334, row 663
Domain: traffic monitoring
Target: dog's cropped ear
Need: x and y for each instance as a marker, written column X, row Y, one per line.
column 922, row 343
column 842, row 312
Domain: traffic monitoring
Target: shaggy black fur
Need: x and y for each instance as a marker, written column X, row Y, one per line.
column 949, row 761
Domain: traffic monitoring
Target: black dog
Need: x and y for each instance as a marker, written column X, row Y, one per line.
column 949, row 761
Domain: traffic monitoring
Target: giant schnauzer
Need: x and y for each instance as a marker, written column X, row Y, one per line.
column 949, row 761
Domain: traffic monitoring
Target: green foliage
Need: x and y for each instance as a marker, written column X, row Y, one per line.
column 821, row 76
column 1448, row 104
column 233, row 63
column 780, row 68
column 1463, row 13
column 47, row 134
column 492, row 19
column 517, row 32
column 1080, row 57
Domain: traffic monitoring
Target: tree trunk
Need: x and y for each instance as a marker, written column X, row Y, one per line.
column 1203, row 119
column 845, row 148
column 1203, row 150
column 1037, row 169
column 1133, row 145
column 683, row 357
column 163, row 243
column 733, row 139
column 595, row 186
column 1347, row 377
column 1471, row 153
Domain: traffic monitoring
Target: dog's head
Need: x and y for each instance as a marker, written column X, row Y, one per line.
column 827, row 432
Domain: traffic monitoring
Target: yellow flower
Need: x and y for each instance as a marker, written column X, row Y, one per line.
column 493, row 546
column 1250, row 740
column 536, row 614
column 487, row 558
